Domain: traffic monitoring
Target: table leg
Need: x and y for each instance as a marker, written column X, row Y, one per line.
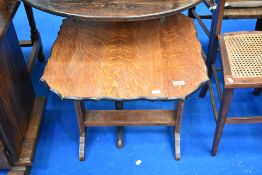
column 119, row 106
column 224, row 107
column 80, row 112
column 179, row 111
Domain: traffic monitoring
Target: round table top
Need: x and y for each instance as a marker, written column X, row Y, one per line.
column 113, row 10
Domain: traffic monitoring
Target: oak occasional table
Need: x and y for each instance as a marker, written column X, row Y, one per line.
column 124, row 50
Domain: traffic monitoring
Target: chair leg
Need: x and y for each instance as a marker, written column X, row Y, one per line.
column 203, row 90
column 80, row 112
column 119, row 106
column 224, row 107
column 179, row 110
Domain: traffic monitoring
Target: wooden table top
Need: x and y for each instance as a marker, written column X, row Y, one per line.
column 150, row 60
column 7, row 11
column 113, row 10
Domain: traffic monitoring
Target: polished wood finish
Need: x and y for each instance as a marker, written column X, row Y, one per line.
column 225, row 104
column 178, row 118
column 16, row 92
column 20, row 110
column 7, row 12
column 135, row 60
column 236, row 43
column 30, row 140
column 230, row 81
column 80, row 113
column 119, row 105
column 225, row 13
column 156, row 59
column 129, row 118
column 114, row 10
column 91, row 118
column 216, row 24
column 4, row 162
column 241, row 120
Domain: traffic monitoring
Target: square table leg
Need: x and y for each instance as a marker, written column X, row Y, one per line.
column 80, row 112
column 225, row 104
column 179, row 111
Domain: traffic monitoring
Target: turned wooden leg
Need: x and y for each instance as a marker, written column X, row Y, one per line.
column 119, row 106
column 80, row 112
column 224, row 107
column 179, row 111
column 35, row 36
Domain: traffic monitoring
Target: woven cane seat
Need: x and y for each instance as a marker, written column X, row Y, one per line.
column 134, row 60
column 242, row 57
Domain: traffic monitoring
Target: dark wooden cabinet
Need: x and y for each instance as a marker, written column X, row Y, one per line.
column 17, row 95
column 20, row 110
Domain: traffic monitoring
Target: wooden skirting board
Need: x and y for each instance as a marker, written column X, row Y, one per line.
column 27, row 153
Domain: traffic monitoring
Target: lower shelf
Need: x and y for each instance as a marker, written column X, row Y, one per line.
column 130, row 117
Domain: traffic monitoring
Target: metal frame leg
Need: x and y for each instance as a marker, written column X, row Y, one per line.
column 119, row 106
column 80, row 112
column 179, row 111
column 224, row 107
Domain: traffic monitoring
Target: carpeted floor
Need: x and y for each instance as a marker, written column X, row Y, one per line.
column 240, row 150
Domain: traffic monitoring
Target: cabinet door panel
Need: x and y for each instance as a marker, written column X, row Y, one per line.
column 16, row 94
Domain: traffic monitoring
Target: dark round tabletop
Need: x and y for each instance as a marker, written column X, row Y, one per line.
column 113, row 10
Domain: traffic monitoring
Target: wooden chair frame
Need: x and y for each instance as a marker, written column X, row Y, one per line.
column 217, row 17
column 225, row 96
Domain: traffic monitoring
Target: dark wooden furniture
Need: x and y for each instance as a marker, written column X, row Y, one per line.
column 126, row 61
column 20, row 110
column 241, row 64
column 241, row 55
column 135, row 51
column 217, row 16
column 114, row 10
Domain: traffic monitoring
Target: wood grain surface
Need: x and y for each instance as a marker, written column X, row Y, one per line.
column 113, row 10
column 16, row 94
column 7, row 11
column 126, row 61
column 130, row 118
column 30, row 140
